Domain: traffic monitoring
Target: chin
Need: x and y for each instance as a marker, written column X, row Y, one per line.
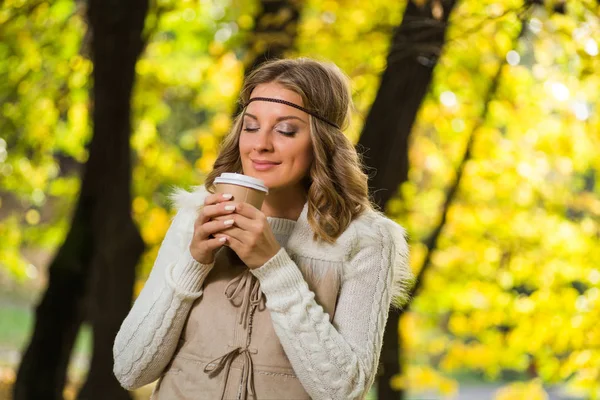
column 270, row 183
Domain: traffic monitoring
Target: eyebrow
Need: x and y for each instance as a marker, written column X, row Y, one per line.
column 279, row 119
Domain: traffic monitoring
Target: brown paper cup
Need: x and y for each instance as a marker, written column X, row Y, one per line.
column 245, row 189
column 242, row 194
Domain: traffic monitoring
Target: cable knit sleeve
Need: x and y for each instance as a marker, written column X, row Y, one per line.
column 149, row 334
column 338, row 359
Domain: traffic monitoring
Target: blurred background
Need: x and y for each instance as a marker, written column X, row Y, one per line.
column 478, row 120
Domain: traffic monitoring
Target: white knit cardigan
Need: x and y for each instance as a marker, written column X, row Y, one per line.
column 333, row 360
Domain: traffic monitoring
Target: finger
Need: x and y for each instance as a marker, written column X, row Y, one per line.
column 215, row 198
column 247, row 210
column 214, row 244
column 213, row 206
column 236, row 233
column 246, row 223
column 201, row 219
column 212, row 227
column 233, row 243
column 217, row 210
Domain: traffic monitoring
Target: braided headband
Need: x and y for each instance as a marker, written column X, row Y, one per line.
column 288, row 103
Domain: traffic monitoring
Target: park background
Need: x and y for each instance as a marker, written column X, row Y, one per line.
column 480, row 119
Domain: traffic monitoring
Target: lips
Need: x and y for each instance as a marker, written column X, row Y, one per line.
column 263, row 162
column 262, row 165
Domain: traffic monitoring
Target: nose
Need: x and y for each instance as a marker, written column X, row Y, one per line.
column 262, row 141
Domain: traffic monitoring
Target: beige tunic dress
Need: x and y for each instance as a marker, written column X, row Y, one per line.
column 228, row 348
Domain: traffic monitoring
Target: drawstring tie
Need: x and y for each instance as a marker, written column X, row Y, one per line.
column 224, row 363
column 251, row 299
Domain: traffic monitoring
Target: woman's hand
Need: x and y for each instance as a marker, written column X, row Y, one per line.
column 204, row 245
column 251, row 236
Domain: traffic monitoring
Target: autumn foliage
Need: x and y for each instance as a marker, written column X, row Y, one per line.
column 512, row 292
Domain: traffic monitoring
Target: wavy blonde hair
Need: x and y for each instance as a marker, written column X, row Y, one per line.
column 337, row 188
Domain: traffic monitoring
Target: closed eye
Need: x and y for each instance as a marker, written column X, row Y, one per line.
column 291, row 133
column 285, row 133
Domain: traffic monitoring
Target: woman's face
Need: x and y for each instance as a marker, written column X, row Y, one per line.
column 275, row 143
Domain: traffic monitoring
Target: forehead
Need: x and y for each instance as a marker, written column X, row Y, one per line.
column 271, row 109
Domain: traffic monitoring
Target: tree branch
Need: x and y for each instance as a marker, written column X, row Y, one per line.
column 24, row 10
column 158, row 10
column 519, row 11
column 432, row 240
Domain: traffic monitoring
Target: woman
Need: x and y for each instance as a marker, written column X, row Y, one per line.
column 286, row 302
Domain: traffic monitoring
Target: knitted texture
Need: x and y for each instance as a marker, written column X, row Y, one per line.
column 333, row 360
column 149, row 333
column 336, row 360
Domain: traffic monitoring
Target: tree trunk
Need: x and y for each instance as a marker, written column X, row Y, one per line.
column 416, row 46
column 116, row 45
column 58, row 316
column 274, row 33
column 103, row 246
column 275, row 30
column 432, row 241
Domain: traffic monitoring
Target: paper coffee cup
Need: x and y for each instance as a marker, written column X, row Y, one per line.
column 245, row 189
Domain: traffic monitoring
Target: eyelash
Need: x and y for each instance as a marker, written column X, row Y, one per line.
column 289, row 134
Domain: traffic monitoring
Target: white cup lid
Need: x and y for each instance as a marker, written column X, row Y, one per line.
column 242, row 180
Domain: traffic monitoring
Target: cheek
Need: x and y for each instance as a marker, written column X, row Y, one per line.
column 308, row 158
column 244, row 146
column 304, row 158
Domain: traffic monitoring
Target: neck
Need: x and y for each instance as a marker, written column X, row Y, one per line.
column 284, row 203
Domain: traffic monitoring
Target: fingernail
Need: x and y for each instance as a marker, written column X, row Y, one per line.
column 229, row 208
column 228, row 222
column 227, row 196
column 222, row 239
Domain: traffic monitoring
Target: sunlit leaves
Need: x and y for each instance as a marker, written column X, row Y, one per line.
column 424, row 378
column 44, row 82
column 355, row 35
column 514, row 285
column 533, row 390
column 514, row 282
column 188, row 79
